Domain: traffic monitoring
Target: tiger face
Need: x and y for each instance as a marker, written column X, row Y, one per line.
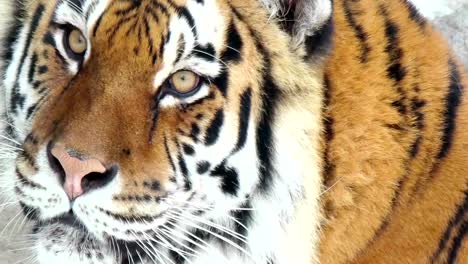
column 147, row 130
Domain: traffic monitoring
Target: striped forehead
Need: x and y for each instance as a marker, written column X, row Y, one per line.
column 194, row 27
column 82, row 14
column 196, row 35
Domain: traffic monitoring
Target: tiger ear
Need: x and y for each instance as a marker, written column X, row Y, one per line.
column 300, row 18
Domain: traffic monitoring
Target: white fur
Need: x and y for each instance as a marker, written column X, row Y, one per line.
column 310, row 15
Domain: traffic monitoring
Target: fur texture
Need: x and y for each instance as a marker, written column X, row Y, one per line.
column 321, row 132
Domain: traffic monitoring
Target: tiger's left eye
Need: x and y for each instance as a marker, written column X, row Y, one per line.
column 75, row 43
column 184, row 82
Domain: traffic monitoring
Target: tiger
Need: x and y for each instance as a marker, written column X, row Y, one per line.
column 233, row 131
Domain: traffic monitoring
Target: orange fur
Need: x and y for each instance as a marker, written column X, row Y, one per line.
column 390, row 196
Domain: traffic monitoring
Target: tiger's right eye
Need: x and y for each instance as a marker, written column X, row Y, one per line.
column 75, row 43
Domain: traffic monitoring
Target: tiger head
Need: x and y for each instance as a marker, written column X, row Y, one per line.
column 146, row 127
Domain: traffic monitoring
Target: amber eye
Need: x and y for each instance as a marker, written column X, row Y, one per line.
column 184, row 82
column 75, row 43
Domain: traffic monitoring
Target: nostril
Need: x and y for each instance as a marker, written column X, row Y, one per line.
column 55, row 164
column 96, row 180
column 77, row 172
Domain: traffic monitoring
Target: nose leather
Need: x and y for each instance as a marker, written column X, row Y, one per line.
column 75, row 168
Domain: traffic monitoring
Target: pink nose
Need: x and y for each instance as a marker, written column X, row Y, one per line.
column 76, row 169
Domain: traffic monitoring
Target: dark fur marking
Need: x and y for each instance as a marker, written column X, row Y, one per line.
column 188, row 150
column 222, row 82
column 270, row 97
column 458, row 223
column 229, row 176
column 168, row 154
column 265, row 140
column 452, row 103
column 98, row 24
column 329, row 132
column 359, row 32
column 233, row 50
column 184, row 13
column 17, row 25
column 31, row 110
column 206, row 52
column 195, row 132
column 320, row 43
column 244, row 218
column 212, row 133
column 153, row 185
column 244, row 119
column 32, row 67
column 26, row 182
column 414, row 14
column 416, row 107
column 203, row 167
column 17, row 100
column 184, row 171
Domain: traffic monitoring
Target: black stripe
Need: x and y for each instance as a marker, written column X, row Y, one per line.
column 359, row 32
column 244, row 119
column 458, row 221
column 184, row 13
column 395, row 69
column 269, row 101
column 17, row 99
column 244, row 219
column 160, row 7
column 195, row 132
column 212, row 133
column 148, row 36
column 233, row 50
column 329, row 133
column 452, row 102
column 32, row 67
column 457, row 243
column 18, row 15
column 414, row 14
column 222, row 82
column 265, row 140
column 417, row 106
column 168, row 154
column 31, row 110
column 112, row 32
column 184, row 170
column 29, row 212
column 26, row 182
column 206, row 52
column 98, row 23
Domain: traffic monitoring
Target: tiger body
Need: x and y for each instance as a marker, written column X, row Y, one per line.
column 319, row 132
column 396, row 140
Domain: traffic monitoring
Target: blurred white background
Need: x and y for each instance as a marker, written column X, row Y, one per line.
column 451, row 17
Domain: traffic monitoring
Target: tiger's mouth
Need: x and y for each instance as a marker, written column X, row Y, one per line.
column 133, row 227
